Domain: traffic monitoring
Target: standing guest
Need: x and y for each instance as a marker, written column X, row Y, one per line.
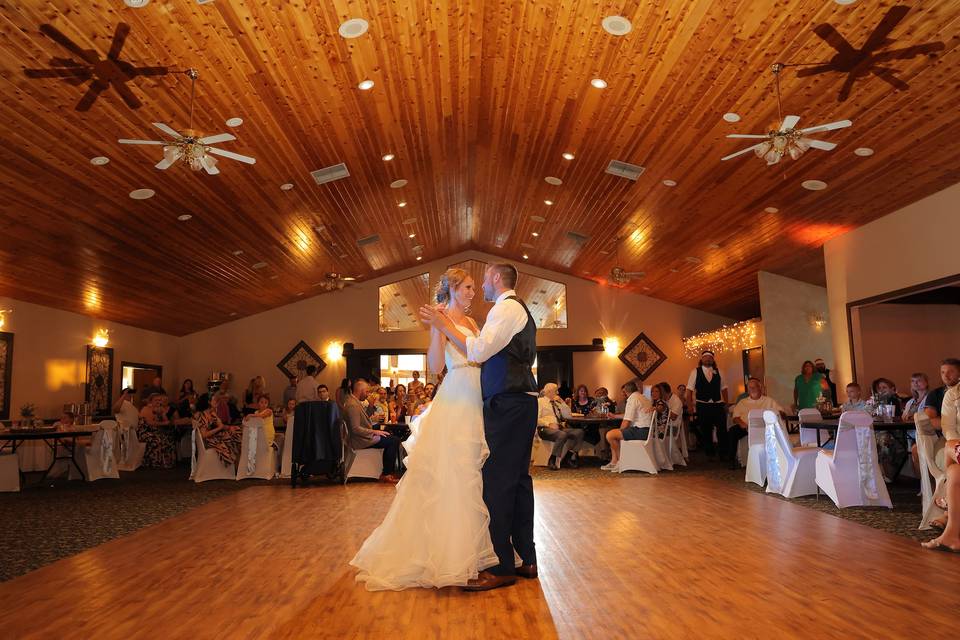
column 552, row 426
column 415, row 385
column 364, row 436
column 635, row 424
column 582, row 402
column 919, row 387
column 691, row 437
column 399, row 407
column 707, row 395
column 323, row 393
column 807, row 387
column 307, row 387
column 854, row 400
column 155, row 430
column 187, row 392
column 226, row 390
column 251, row 397
column 290, row 392
column 564, row 391
column 754, row 401
column 949, row 540
column 342, row 392
column 950, row 375
column 821, row 367
column 289, row 409
column 124, row 409
column 223, row 438
column 265, row 413
column 155, row 387
column 221, row 405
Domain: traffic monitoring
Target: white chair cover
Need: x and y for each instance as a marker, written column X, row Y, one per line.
column 9, row 472
column 756, row 448
column 791, row 471
column 851, row 474
column 365, row 463
column 540, row 455
column 34, row 455
column 98, row 461
column 808, row 437
column 931, row 454
column 205, row 464
column 129, row 449
column 286, row 453
column 660, row 445
column 257, row 458
column 640, row 455
column 676, row 449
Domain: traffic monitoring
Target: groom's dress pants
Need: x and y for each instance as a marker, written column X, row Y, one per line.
column 509, row 420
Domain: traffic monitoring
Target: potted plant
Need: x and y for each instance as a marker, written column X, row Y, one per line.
column 27, row 412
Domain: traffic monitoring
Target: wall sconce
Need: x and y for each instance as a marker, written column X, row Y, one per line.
column 611, row 346
column 3, row 316
column 334, row 351
column 102, row 338
column 817, row 321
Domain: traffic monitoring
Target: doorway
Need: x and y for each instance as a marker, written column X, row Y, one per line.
column 139, row 376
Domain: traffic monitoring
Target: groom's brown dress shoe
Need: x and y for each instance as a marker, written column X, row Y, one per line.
column 528, row 571
column 486, row 581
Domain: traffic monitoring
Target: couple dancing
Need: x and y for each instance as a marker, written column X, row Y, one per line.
column 465, row 503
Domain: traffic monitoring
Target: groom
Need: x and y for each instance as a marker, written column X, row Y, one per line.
column 507, row 348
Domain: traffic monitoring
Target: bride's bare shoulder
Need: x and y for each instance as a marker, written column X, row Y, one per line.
column 473, row 324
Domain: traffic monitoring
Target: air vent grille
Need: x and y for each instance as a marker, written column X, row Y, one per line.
column 329, row 174
column 579, row 238
column 624, row 169
column 368, row 240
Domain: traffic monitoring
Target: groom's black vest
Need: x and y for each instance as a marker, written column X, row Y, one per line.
column 509, row 370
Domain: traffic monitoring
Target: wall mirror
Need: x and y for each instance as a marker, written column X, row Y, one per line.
column 400, row 301
column 546, row 299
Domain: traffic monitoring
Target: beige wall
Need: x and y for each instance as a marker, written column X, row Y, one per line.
column 49, row 354
column 896, row 340
column 790, row 338
column 908, row 247
column 254, row 345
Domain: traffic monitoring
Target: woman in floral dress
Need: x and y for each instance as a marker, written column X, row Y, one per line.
column 222, row 438
column 157, row 432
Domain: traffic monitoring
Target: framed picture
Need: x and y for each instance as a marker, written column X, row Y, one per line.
column 295, row 363
column 642, row 357
column 99, row 391
column 6, row 371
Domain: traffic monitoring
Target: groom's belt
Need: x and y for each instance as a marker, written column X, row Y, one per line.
column 465, row 364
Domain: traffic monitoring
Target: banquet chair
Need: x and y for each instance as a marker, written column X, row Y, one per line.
column 205, row 464
column 850, row 474
column 286, row 450
column 932, row 463
column 129, row 450
column 756, row 449
column 258, row 459
column 640, row 455
column 791, row 471
column 98, row 459
column 660, row 447
column 542, row 449
column 808, row 437
column 9, row 472
column 675, row 438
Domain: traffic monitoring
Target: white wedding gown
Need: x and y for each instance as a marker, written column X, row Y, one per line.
column 436, row 531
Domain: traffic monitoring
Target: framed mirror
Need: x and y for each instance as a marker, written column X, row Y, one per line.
column 546, row 299
column 399, row 302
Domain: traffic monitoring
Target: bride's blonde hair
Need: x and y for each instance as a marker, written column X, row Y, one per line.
column 450, row 281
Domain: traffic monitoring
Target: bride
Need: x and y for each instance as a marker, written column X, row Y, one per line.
column 436, row 531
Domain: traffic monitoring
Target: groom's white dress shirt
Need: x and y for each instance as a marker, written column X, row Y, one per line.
column 505, row 320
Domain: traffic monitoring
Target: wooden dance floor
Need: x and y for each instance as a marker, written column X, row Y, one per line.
column 620, row 557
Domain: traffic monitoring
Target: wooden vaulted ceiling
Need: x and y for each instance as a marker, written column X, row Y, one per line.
column 477, row 99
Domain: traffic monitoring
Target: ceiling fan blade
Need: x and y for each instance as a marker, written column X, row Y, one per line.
column 210, row 165
column 821, row 144
column 127, row 141
column 87, row 55
column 93, row 92
column 889, row 22
column 167, row 130
column 832, row 37
column 232, row 155
column 839, row 124
column 119, row 37
column 789, row 122
column 750, row 136
column 169, row 159
column 220, row 137
column 742, row 151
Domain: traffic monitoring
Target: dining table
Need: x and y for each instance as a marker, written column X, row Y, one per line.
column 67, row 438
column 900, row 427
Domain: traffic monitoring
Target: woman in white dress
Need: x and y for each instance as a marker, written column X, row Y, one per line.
column 436, row 531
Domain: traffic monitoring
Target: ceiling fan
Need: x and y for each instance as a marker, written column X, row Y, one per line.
column 192, row 148
column 333, row 281
column 786, row 139
column 621, row 276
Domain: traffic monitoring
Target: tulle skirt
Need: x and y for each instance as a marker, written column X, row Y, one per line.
column 436, row 531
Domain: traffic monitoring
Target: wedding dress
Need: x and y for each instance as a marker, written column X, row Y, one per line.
column 436, row 531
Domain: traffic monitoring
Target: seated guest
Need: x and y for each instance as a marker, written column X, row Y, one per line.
column 884, row 392
column 602, row 398
column 364, row 436
column 808, row 386
column 307, row 387
column 323, row 393
column 552, row 426
column 342, row 392
column 265, row 413
column 854, row 401
column 755, row 401
column 949, row 540
column 223, row 438
column 950, row 375
column 290, row 392
column 221, row 405
column 124, row 409
column 582, row 402
column 372, row 404
column 172, row 412
column 891, row 451
column 154, row 430
column 635, row 424
column 66, row 421
column 673, row 401
column 398, row 407
column 919, row 387
column 289, row 409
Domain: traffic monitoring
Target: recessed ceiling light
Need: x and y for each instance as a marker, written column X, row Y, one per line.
column 693, row 260
column 136, row 4
column 731, row 117
column 646, row 288
column 814, row 185
column 419, row 258
column 387, row 157
column 299, row 293
column 260, row 265
column 274, row 277
column 418, row 248
column 234, row 122
column 568, row 156
column 862, row 152
column 670, row 183
column 396, row 184
column 548, row 202
column 238, row 252
column 233, row 313
column 599, row 83
column 616, row 25
column 526, row 257
column 554, row 181
column 603, row 252
column 674, row 270
column 713, row 245
column 844, row 2
column 526, row 245
column 286, row 186
column 353, row 28
column 538, row 218
column 100, row 160
column 142, row 194
column 409, row 221
column 183, row 217
column 401, row 204
column 348, row 278
column 771, row 209
column 365, row 85
column 412, row 235
column 319, row 228
column 535, row 234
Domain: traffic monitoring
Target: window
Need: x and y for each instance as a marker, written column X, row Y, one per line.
column 400, row 368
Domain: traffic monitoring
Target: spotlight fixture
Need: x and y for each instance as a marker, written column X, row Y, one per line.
column 863, row 152
column 771, row 209
column 731, row 117
column 142, row 194
column 419, row 258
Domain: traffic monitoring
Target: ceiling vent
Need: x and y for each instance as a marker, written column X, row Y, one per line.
column 329, row 174
column 624, row 169
column 579, row 238
column 363, row 242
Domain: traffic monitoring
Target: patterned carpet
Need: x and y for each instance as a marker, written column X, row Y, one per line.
column 73, row 516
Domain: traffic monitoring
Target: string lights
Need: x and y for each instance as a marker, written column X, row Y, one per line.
column 734, row 337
